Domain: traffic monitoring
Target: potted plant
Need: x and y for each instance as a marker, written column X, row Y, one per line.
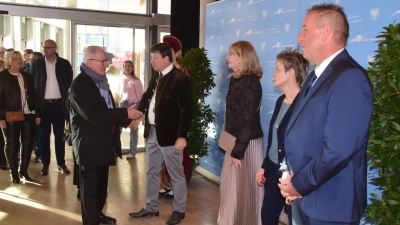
column 384, row 141
column 196, row 61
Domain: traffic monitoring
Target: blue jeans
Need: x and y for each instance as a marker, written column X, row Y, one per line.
column 134, row 133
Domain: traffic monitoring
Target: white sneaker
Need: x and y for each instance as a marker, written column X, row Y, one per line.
column 129, row 156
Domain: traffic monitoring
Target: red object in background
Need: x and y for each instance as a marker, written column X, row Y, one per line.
column 120, row 58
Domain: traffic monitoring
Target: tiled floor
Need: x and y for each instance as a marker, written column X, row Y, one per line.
column 51, row 200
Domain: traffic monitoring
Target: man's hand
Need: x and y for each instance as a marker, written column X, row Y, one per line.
column 38, row 121
column 3, row 124
column 260, row 179
column 287, row 189
column 237, row 163
column 180, row 143
column 134, row 114
column 134, row 124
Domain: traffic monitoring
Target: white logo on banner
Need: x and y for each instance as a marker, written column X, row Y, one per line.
column 398, row 11
column 287, row 26
column 212, row 12
column 264, row 13
column 210, row 38
column 281, row 11
column 249, row 3
column 271, row 112
column 239, row 4
column 222, row 22
column 277, row 45
column 371, row 58
column 374, row 13
column 337, row 2
column 248, row 32
column 220, row 76
column 237, row 33
column 358, row 38
column 221, row 47
column 233, row 20
column 263, row 45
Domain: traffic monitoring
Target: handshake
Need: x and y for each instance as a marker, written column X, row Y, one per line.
column 136, row 116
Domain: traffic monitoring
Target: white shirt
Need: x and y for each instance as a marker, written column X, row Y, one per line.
column 52, row 89
column 321, row 68
column 151, row 113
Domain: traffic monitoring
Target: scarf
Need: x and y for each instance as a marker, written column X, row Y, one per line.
column 100, row 80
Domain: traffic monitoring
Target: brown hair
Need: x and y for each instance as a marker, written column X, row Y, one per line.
column 250, row 64
column 332, row 14
column 291, row 59
column 133, row 71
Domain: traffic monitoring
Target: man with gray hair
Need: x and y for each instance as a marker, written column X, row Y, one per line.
column 95, row 133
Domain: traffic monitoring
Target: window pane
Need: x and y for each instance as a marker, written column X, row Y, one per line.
column 164, row 7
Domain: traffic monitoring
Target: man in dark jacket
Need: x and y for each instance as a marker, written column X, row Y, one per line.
column 168, row 109
column 52, row 77
column 95, row 133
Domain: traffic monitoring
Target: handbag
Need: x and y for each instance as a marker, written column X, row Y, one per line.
column 226, row 141
column 15, row 116
column 67, row 138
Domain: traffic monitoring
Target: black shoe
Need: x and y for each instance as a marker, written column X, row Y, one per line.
column 78, row 195
column 143, row 213
column 106, row 219
column 37, row 160
column 45, row 170
column 175, row 218
column 64, row 169
column 4, row 167
column 169, row 195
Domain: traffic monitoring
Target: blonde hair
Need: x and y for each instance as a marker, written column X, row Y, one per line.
column 250, row 64
column 9, row 57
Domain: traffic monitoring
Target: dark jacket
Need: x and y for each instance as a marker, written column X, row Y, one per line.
column 268, row 165
column 92, row 124
column 242, row 118
column 64, row 76
column 173, row 102
column 10, row 93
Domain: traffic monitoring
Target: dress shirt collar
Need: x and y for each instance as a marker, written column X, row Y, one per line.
column 320, row 69
column 168, row 69
column 51, row 63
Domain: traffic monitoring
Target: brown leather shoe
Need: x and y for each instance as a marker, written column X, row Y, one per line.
column 143, row 213
column 45, row 170
column 175, row 218
column 64, row 169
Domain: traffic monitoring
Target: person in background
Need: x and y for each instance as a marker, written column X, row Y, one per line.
column 17, row 93
column 94, row 117
column 166, row 187
column 240, row 195
column 53, row 77
column 130, row 91
column 167, row 105
column 8, row 50
column 327, row 135
column 35, row 55
column 2, row 53
column 27, row 59
column 113, row 76
column 291, row 69
column 3, row 161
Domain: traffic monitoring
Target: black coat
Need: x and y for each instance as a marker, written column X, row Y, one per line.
column 92, row 124
column 173, row 106
column 10, row 93
column 64, row 76
column 268, row 165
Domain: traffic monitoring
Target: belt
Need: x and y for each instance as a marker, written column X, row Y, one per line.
column 53, row 100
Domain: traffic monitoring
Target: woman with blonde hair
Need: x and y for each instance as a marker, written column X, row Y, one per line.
column 130, row 91
column 241, row 197
column 17, row 94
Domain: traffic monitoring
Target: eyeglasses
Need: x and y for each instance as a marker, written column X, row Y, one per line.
column 102, row 61
column 46, row 47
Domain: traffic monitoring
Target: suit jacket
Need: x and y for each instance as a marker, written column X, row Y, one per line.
column 268, row 165
column 173, row 111
column 64, row 76
column 326, row 142
column 95, row 136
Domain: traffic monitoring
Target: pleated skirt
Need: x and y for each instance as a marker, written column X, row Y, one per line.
column 241, row 197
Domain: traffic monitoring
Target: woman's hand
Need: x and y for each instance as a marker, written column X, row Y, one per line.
column 237, row 163
column 260, row 177
column 3, row 124
column 37, row 121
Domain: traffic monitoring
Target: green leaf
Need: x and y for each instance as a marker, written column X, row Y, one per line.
column 394, row 125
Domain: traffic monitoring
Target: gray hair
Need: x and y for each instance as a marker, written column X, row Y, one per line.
column 90, row 51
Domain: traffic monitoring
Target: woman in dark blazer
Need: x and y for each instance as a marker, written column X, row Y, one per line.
column 18, row 93
column 291, row 69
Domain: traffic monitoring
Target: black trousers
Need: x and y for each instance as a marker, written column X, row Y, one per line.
column 3, row 160
column 93, row 187
column 273, row 200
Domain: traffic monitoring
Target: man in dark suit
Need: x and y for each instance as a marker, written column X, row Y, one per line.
column 167, row 106
column 95, row 135
column 53, row 77
column 326, row 137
